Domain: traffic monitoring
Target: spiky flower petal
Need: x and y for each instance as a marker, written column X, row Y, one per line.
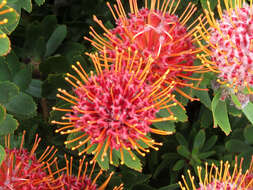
column 154, row 32
column 114, row 109
column 22, row 170
column 219, row 178
column 230, row 48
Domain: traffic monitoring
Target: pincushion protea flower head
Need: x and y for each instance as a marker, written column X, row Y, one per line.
column 230, row 41
column 114, row 109
column 66, row 180
column 219, row 178
column 155, row 32
column 22, row 170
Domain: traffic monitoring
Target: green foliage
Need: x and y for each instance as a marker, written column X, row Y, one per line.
column 220, row 114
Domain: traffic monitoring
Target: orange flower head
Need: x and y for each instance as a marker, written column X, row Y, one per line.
column 219, row 178
column 154, row 32
column 66, row 180
column 22, row 170
column 114, row 109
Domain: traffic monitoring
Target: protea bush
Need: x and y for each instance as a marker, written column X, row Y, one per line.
column 136, row 94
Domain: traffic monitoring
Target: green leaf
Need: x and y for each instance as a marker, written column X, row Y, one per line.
column 52, row 83
column 40, row 49
column 220, row 114
column 34, row 88
column 5, row 44
column 232, row 110
column 4, row 70
column 199, row 140
column 2, row 154
column 248, row 134
column 13, row 63
column 248, row 111
column 9, row 125
column 165, row 126
column 48, row 25
column 22, row 105
column 23, row 78
column 206, row 119
column 205, row 155
column 210, row 142
column 105, row 163
column 129, row 162
column 7, row 91
column 181, row 140
column 55, row 64
column 40, row 2
column 179, row 113
column 27, row 5
column 236, row 100
column 235, row 145
column 2, row 113
column 203, row 96
column 56, row 39
column 183, row 151
column 178, row 165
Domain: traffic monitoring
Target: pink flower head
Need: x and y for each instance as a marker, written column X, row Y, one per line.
column 21, row 170
column 114, row 109
column 219, row 178
column 231, row 46
column 66, row 180
column 154, row 32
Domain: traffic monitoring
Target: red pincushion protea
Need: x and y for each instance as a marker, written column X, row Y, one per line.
column 21, row 170
column 114, row 110
column 231, row 45
column 219, row 178
column 154, row 32
column 66, row 180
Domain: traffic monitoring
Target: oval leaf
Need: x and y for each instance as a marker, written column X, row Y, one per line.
column 22, row 105
column 56, row 39
column 220, row 114
column 248, row 134
column 183, row 151
column 178, row 165
column 129, row 162
column 199, row 140
column 248, row 111
column 9, row 125
column 7, row 91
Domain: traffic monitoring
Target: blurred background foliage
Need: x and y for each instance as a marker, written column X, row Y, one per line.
column 46, row 38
